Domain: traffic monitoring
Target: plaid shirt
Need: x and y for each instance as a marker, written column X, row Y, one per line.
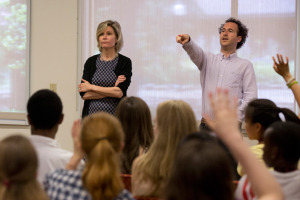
column 67, row 184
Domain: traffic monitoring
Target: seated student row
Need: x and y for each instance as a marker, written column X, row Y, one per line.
column 102, row 134
column 59, row 117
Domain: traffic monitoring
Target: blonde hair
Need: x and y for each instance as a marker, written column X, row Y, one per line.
column 175, row 119
column 117, row 30
column 18, row 169
column 101, row 139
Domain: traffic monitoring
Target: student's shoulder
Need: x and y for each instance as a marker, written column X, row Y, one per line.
column 138, row 159
column 64, row 176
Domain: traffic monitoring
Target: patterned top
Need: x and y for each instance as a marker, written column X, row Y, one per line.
column 65, row 184
column 105, row 77
column 124, row 67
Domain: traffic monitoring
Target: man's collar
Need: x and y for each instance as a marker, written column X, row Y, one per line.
column 230, row 57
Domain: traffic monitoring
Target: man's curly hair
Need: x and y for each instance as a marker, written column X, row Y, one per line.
column 242, row 30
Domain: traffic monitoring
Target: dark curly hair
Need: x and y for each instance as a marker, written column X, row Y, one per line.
column 242, row 30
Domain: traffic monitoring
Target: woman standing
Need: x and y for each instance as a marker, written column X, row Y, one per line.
column 106, row 76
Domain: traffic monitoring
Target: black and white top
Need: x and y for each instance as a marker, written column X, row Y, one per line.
column 105, row 77
column 64, row 184
column 123, row 67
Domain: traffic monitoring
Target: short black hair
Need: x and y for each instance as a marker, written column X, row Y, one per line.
column 285, row 136
column 242, row 30
column 44, row 109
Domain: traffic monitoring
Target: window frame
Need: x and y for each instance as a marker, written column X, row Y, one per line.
column 20, row 118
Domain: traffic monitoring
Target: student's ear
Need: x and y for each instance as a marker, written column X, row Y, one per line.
column 270, row 155
column 122, row 146
column 275, row 153
column 29, row 120
column 258, row 127
column 258, row 131
column 61, row 119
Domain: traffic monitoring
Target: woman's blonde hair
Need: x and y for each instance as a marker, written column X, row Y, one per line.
column 175, row 119
column 101, row 138
column 117, row 30
column 18, row 169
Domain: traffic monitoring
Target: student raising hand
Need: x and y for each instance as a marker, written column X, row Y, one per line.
column 225, row 126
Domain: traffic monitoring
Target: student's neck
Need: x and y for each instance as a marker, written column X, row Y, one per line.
column 44, row 132
column 227, row 52
column 108, row 54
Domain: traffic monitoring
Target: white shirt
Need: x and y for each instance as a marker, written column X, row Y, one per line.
column 51, row 156
column 289, row 182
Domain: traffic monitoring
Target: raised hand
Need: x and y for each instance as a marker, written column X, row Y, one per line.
column 182, row 39
column 225, row 126
column 76, row 136
column 281, row 67
column 225, row 123
column 78, row 153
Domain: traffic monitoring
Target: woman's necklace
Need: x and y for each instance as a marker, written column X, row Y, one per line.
column 108, row 59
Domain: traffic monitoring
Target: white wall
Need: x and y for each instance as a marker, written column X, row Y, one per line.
column 54, row 60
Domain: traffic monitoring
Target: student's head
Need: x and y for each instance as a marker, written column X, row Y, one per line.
column 117, row 32
column 44, row 109
column 261, row 113
column 201, row 170
column 18, row 169
column 102, row 139
column 241, row 31
column 135, row 117
column 174, row 120
column 282, row 146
